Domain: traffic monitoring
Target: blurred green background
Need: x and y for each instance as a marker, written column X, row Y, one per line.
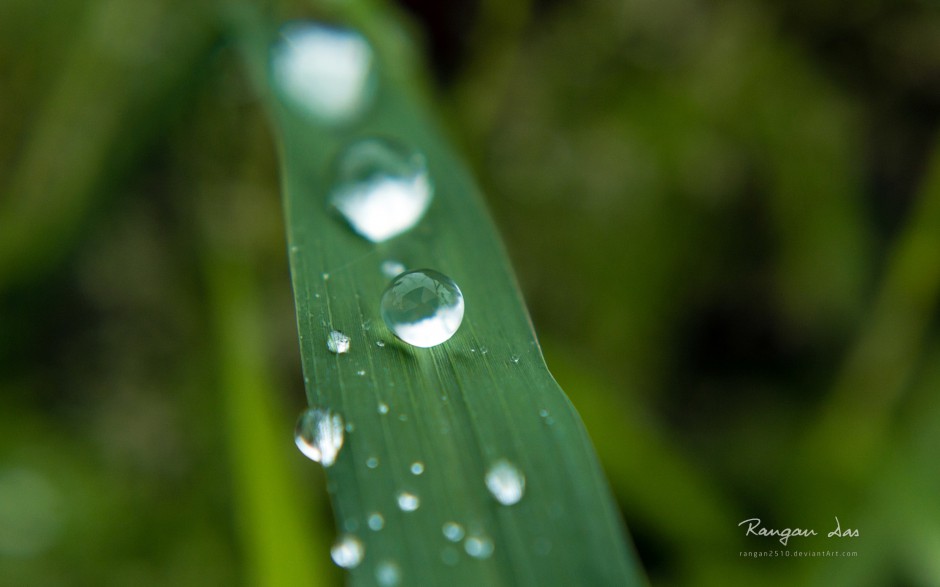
column 724, row 216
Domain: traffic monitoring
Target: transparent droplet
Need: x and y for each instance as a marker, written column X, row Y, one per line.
column 450, row 556
column 347, row 552
column 506, row 482
column 392, row 268
column 383, row 408
column 408, row 502
column 417, row 468
column 319, row 435
column 372, row 462
column 379, row 343
column 387, row 573
column 514, row 359
column 337, row 342
column 478, row 546
column 361, row 372
column 323, row 72
column 423, row 307
column 376, row 522
column 484, row 350
column 453, row 531
column 381, row 188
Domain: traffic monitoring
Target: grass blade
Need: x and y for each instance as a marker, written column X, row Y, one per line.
column 483, row 396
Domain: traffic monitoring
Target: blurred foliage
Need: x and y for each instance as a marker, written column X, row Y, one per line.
column 725, row 218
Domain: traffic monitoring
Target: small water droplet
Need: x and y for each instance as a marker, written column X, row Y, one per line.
column 337, row 342
column 484, row 350
column 379, row 343
column 423, row 307
column 326, row 277
column 324, row 72
column 372, row 462
column 376, row 522
column 506, row 482
column 478, row 547
column 417, row 468
column 453, row 531
column 543, row 413
column 403, row 417
column 347, row 552
column 319, row 435
column 408, row 502
column 392, row 268
column 350, row 427
column 383, row 408
column 387, row 574
column 514, row 359
column 450, row 556
column 361, row 372
column 381, row 188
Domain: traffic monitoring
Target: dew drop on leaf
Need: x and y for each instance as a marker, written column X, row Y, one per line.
column 337, row 342
column 478, row 546
column 322, row 72
column 453, row 531
column 506, row 482
column 319, row 435
column 376, row 522
column 387, row 573
column 381, row 188
column 408, row 502
column 423, row 307
column 347, row 552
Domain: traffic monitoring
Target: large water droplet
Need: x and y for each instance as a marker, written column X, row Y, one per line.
column 347, row 552
column 387, row 573
column 381, row 188
column 319, row 435
column 506, row 482
column 408, row 502
column 453, row 531
column 323, row 72
column 337, row 342
column 423, row 307
column 478, row 546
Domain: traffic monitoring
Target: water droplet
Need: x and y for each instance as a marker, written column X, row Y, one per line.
column 319, row 435
column 408, row 502
column 337, row 342
column 484, row 350
column 381, row 188
column 350, row 427
column 506, row 482
column 387, row 574
column 417, row 468
column 372, row 462
column 423, row 308
column 379, row 343
column 450, row 556
column 361, row 372
column 392, row 268
column 478, row 546
column 514, row 359
column 376, row 522
column 453, row 531
column 347, row 552
column 324, row 72
column 403, row 417
column 383, row 408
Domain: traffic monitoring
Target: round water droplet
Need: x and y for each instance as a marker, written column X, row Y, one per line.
column 478, row 546
column 423, row 307
column 506, row 482
column 379, row 343
column 450, row 556
column 337, row 342
column 347, row 552
column 372, row 462
column 319, row 434
column 514, row 359
column 408, row 502
column 381, row 188
column 392, row 268
column 417, row 468
column 361, row 372
column 387, row 573
column 383, row 408
column 323, row 72
column 453, row 531
column 376, row 522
